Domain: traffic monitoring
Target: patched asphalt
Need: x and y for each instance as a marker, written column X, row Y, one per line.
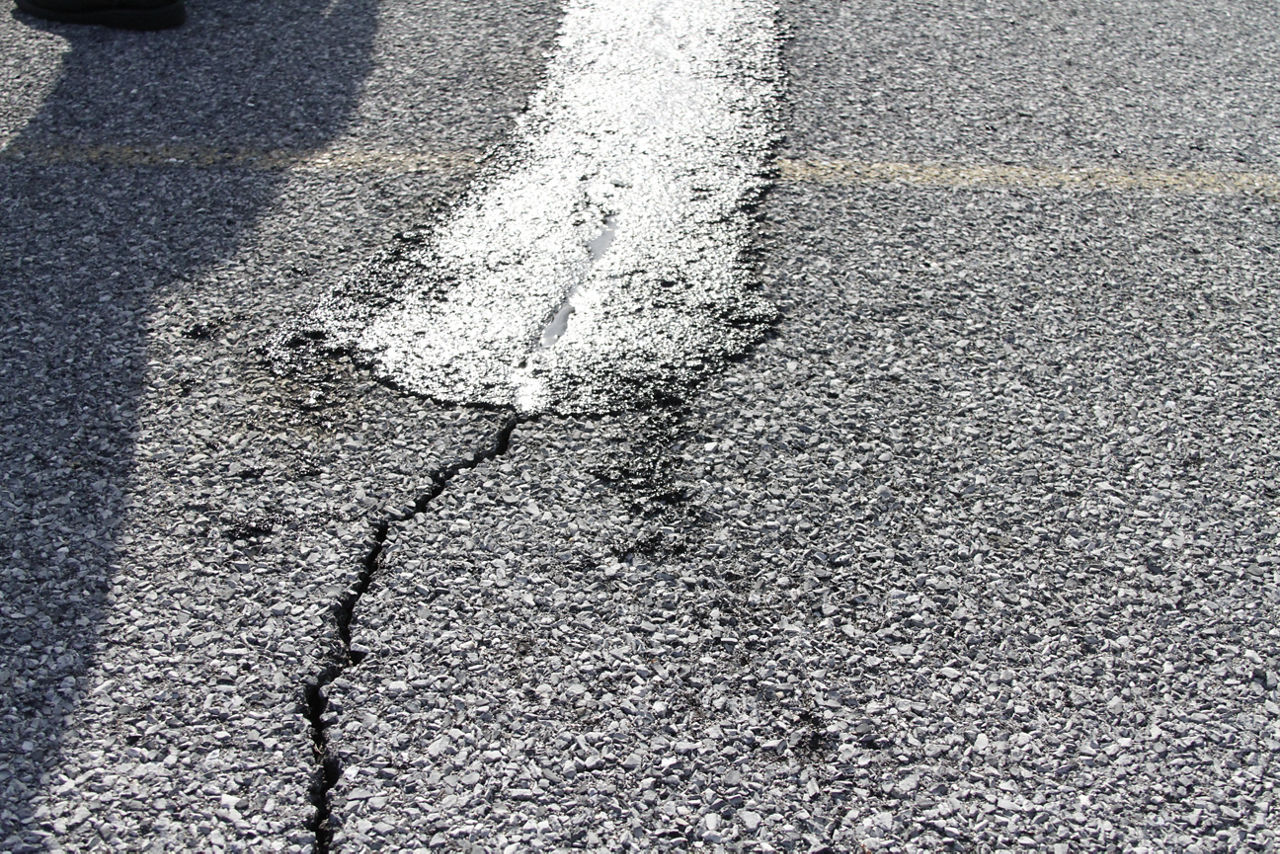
column 978, row 549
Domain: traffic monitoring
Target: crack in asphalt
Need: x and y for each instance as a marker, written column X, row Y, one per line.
column 316, row 704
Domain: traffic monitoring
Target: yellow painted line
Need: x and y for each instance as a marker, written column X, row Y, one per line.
column 291, row 160
column 943, row 175
column 795, row 170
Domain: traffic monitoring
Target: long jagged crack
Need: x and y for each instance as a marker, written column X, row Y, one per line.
column 328, row 768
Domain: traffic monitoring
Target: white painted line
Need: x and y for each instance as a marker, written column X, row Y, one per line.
column 607, row 246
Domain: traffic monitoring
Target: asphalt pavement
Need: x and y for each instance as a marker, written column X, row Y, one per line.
column 977, row 549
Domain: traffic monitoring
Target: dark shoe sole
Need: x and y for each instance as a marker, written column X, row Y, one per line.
column 154, row 18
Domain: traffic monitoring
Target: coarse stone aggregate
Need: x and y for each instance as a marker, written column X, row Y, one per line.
column 180, row 515
column 1138, row 84
column 979, row 550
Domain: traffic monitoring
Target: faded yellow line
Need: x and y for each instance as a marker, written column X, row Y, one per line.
column 290, row 160
column 1189, row 181
column 814, row 171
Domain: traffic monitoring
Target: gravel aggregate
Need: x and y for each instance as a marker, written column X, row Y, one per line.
column 978, row 550
column 180, row 516
column 1138, row 84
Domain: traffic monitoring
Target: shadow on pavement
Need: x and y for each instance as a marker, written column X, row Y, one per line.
column 90, row 233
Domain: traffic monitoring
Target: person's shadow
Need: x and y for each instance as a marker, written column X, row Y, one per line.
column 94, row 223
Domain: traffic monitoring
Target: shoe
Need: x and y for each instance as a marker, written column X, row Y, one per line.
column 125, row 14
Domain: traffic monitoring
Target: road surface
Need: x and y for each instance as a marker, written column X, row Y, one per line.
column 970, row 541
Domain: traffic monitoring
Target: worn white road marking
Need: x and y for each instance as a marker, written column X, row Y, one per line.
column 607, row 245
